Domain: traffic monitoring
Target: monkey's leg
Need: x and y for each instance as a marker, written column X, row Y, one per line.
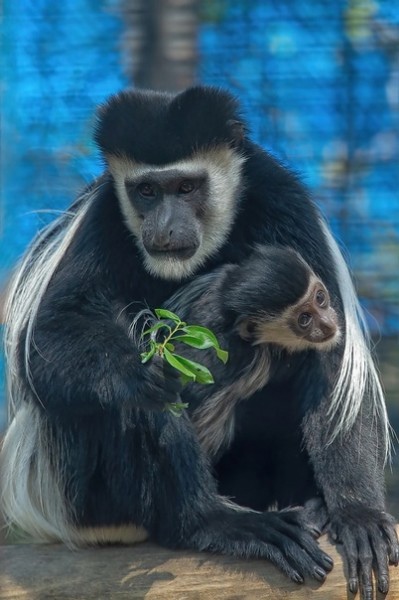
column 188, row 513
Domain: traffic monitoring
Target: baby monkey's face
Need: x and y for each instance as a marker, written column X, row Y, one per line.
column 311, row 322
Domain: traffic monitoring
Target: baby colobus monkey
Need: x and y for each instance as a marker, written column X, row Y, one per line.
column 278, row 299
column 272, row 301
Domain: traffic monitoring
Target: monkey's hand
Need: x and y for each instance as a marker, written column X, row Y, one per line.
column 279, row 537
column 159, row 384
column 370, row 542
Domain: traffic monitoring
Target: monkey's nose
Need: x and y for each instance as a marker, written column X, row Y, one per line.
column 327, row 327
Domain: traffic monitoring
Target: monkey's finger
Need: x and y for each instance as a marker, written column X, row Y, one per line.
column 351, row 555
column 302, row 558
column 306, row 561
column 278, row 559
column 306, row 541
column 365, row 565
column 316, row 553
column 393, row 543
column 378, row 545
column 244, row 535
column 381, row 570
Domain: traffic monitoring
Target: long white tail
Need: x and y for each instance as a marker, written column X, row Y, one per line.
column 358, row 375
column 28, row 287
column 31, row 491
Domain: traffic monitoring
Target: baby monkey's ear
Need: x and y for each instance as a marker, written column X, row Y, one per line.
column 246, row 328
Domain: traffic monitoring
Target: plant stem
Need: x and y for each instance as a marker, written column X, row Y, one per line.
column 161, row 346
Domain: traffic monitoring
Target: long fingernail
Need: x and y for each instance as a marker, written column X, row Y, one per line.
column 319, row 573
column 297, row 578
column 328, row 561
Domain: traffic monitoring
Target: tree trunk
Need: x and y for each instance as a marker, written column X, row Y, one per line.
column 160, row 44
column 41, row 572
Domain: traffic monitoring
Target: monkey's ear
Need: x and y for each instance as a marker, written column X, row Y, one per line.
column 237, row 132
column 246, row 329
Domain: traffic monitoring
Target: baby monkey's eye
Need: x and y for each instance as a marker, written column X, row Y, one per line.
column 186, row 187
column 321, row 298
column 304, row 320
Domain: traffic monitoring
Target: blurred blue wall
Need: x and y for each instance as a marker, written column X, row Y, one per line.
column 320, row 83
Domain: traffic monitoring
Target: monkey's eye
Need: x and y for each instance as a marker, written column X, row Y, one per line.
column 304, row 320
column 186, row 187
column 321, row 298
column 146, row 190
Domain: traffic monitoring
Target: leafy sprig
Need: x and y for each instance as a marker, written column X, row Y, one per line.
column 174, row 330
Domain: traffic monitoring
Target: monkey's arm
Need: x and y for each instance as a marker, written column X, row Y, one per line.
column 349, row 473
column 82, row 360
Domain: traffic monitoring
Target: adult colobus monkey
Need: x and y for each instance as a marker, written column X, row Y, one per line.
column 89, row 454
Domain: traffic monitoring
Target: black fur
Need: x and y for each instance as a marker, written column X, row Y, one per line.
column 271, row 280
column 122, row 460
column 190, row 121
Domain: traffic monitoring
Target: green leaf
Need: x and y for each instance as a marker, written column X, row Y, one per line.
column 175, row 361
column 222, row 355
column 199, row 341
column 145, row 356
column 176, row 408
column 195, row 336
column 201, row 373
column 184, row 379
column 202, row 342
column 167, row 314
column 155, row 327
column 204, row 377
column 198, row 331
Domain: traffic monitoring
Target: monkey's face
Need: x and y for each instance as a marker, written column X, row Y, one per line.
column 314, row 320
column 180, row 213
column 309, row 323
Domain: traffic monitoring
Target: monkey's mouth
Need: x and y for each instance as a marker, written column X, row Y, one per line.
column 322, row 339
column 176, row 253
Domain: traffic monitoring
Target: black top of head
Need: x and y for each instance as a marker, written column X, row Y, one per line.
column 158, row 128
column 272, row 279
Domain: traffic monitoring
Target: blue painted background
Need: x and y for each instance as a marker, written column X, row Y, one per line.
column 319, row 83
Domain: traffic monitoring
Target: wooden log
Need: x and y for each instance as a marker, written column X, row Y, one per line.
column 43, row 572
